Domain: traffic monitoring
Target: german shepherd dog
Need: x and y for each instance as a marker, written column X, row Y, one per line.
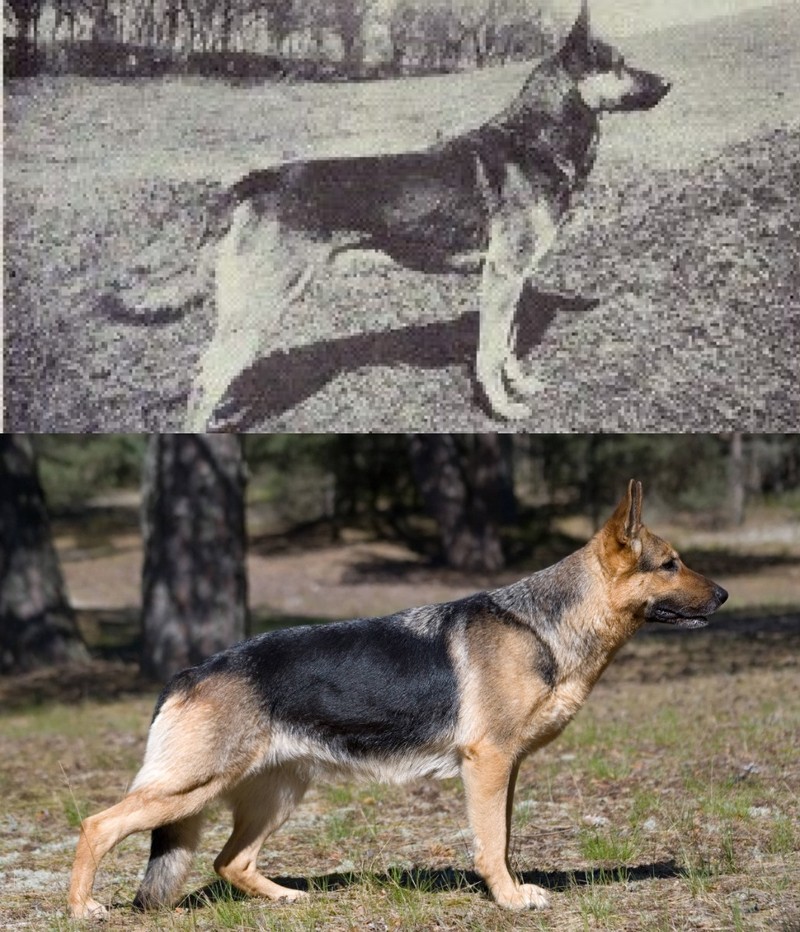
column 469, row 687
column 491, row 199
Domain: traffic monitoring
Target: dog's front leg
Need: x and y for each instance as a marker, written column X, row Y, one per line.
column 489, row 776
column 521, row 231
column 501, row 286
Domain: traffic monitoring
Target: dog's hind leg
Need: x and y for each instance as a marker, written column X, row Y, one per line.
column 189, row 761
column 501, row 287
column 489, row 775
column 144, row 809
column 171, row 850
column 262, row 270
column 261, row 805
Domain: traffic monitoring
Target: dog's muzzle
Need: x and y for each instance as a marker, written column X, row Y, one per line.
column 649, row 89
column 656, row 90
column 688, row 618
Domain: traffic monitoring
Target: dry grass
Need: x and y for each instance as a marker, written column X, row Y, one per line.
column 670, row 803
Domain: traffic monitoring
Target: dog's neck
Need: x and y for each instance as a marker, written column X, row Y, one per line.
column 549, row 116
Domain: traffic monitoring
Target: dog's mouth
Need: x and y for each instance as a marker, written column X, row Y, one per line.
column 666, row 616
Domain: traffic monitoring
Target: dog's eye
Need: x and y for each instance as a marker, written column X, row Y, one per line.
column 670, row 565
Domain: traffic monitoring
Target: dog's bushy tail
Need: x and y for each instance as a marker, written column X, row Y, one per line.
column 156, row 291
column 162, row 299
column 171, row 850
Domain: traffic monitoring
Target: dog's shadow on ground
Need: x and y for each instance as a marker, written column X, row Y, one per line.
column 444, row 880
column 285, row 379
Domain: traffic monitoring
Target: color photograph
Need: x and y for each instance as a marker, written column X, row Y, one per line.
column 423, row 682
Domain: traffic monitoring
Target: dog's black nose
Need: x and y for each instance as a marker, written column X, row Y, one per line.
column 720, row 594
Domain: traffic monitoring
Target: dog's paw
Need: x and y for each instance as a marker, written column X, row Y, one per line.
column 293, row 896
column 521, row 379
column 509, row 410
column 525, row 896
column 500, row 403
column 88, row 909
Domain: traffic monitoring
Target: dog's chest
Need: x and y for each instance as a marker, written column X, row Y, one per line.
column 554, row 714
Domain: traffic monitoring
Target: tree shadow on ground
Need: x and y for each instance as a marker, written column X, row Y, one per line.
column 95, row 681
column 442, row 880
column 285, row 379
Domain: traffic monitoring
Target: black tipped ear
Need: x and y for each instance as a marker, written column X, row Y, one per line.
column 579, row 34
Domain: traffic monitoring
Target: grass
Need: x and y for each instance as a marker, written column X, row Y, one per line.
column 670, row 803
column 647, row 814
column 783, row 839
column 597, row 908
column 608, row 846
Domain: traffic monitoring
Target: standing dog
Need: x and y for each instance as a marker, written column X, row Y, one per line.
column 492, row 198
column 468, row 687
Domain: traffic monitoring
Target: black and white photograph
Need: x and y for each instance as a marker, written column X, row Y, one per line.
column 401, row 215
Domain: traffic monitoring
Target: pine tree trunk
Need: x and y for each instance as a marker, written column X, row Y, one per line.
column 467, row 488
column 37, row 625
column 194, row 576
column 736, row 480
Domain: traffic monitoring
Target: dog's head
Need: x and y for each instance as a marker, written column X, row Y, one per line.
column 650, row 582
column 604, row 80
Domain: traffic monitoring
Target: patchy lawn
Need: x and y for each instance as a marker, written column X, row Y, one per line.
column 670, row 803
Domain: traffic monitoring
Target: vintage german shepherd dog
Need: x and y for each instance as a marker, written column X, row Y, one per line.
column 469, row 687
column 490, row 199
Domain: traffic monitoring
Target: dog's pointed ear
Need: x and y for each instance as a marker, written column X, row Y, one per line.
column 578, row 37
column 626, row 522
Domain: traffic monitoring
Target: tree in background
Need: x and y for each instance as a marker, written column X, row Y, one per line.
column 194, row 576
column 25, row 15
column 37, row 625
column 283, row 17
column 736, row 480
column 448, row 34
column 348, row 18
column 467, row 486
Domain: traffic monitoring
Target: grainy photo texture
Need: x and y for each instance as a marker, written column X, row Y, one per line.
column 395, row 215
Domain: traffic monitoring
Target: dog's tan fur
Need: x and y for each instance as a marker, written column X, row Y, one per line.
column 522, row 659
